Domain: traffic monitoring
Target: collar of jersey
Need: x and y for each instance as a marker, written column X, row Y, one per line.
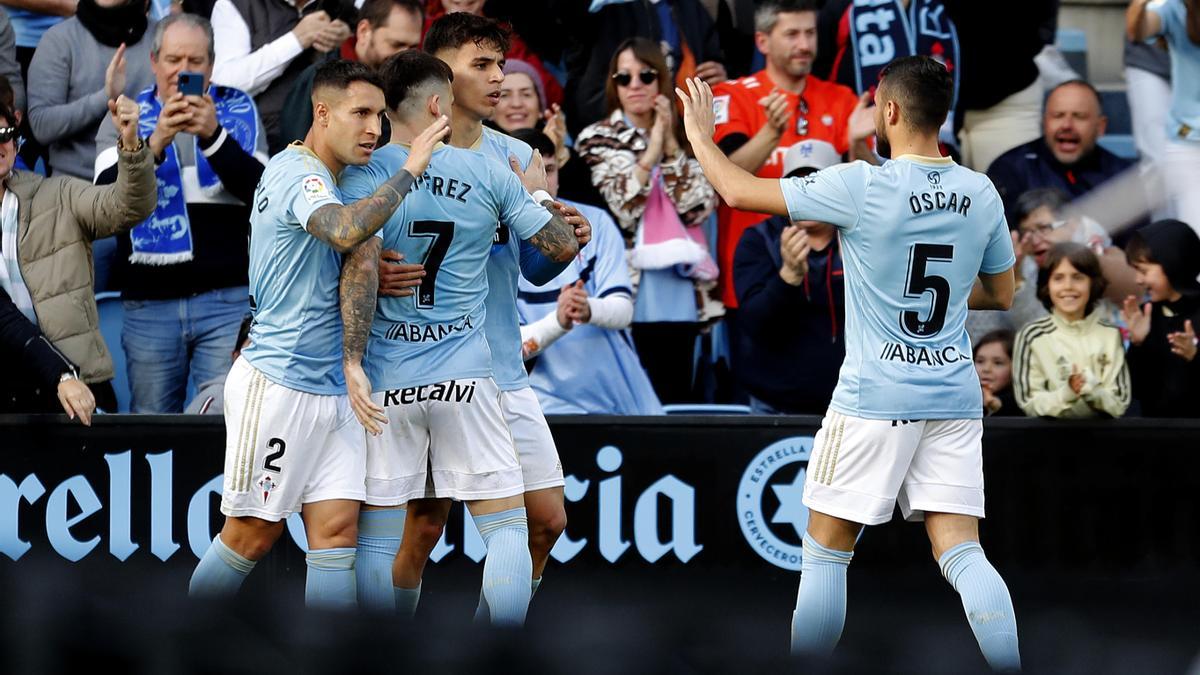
column 922, row 159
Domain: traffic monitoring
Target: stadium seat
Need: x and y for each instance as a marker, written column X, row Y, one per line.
column 112, row 312
column 706, row 409
column 1121, row 145
column 1072, row 42
column 1116, row 108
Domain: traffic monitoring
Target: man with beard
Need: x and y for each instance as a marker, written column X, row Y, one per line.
column 759, row 117
column 922, row 240
column 1066, row 157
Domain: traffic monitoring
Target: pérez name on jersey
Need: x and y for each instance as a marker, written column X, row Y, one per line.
column 937, row 199
column 440, row 186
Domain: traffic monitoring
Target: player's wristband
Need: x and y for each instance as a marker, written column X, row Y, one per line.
column 401, row 183
column 541, row 196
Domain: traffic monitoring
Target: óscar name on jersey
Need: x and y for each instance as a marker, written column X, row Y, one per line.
column 939, row 200
column 450, row 392
column 922, row 356
column 415, row 332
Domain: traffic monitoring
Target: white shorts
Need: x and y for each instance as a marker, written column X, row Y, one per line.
column 285, row 448
column 442, row 440
column 860, row 468
column 540, row 465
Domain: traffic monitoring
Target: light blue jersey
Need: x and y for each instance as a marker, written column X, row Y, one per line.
column 448, row 222
column 1183, row 120
column 915, row 234
column 296, row 337
column 589, row 370
column 503, row 326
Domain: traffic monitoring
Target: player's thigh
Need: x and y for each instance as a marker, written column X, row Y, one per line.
column 331, row 523
column 946, row 473
column 424, row 523
column 546, row 510
column 277, row 440
column 541, row 467
column 857, row 466
column 397, row 467
column 947, row 530
column 250, row 537
column 471, row 452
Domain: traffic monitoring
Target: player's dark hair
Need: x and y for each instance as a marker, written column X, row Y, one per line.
column 767, row 14
column 1032, row 200
column 536, row 140
column 1082, row 259
column 922, row 87
column 339, row 74
column 457, row 29
column 1086, row 85
column 377, row 12
column 1002, row 337
column 407, row 72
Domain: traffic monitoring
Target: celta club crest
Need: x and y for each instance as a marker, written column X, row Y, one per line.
column 267, row 485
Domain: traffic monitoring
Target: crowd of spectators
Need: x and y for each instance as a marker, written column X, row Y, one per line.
column 680, row 298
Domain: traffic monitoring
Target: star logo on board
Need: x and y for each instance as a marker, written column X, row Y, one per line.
column 770, row 504
column 791, row 505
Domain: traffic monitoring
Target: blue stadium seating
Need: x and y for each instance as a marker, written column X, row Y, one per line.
column 1121, row 145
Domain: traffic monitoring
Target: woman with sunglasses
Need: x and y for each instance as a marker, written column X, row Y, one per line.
column 640, row 163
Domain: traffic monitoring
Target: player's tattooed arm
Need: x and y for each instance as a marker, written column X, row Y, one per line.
column 557, row 240
column 359, row 286
column 344, row 227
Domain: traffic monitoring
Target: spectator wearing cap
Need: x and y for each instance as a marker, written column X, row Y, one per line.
column 1066, row 157
column 183, row 272
column 790, row 334
column 384, row 28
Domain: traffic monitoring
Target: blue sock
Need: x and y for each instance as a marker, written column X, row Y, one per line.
column 481, row 611
column 987, row 602
column 821, row 601
column 508, row 567
column 220, row 572
column 330, row 583
column 406, row 600
column 379, row 534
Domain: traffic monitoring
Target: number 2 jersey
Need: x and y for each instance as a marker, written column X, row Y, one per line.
column 447, row 222
column 915, row 234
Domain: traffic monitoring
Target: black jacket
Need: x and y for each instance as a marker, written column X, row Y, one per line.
column 1165, row 384
column 1033, row 165
column 34, row 366
column 790, row 339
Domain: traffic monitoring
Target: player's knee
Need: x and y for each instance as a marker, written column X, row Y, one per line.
column 548, row 525
column 425, row 534
column 335, row 532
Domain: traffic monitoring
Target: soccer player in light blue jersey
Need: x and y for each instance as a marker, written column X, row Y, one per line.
column 292, row 442
column 922, row 239
column 427, row 356
column 474, row 48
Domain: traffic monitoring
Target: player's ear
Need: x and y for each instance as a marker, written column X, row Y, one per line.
column 434, row 106
column 321, row 113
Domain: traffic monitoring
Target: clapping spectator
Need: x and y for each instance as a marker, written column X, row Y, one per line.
column 1067, row 156
column 575, row 326
column 1072, row 363
column 48, row 227
column 993, row 363
column 81, row 64
column 790, row 333
column 183, row 272
column 1178, row 22
column 262, row 47
column 1162, row 329
column 660, row 198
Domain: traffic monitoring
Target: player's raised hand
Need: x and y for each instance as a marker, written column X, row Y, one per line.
column 534, row 175
column 583, row 229
column 698, row 118
column 397, row 278
column 422, row 146
column 358, row 387
column 1137, row 319
column 793, row 249
column 1183, row 343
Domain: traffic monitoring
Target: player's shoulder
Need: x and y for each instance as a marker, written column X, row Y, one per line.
column 296, row 159
column 500, row 145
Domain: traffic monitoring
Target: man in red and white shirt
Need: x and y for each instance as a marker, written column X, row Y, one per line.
column 759, row 117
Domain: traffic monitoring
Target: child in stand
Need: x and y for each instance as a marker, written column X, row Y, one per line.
column 993, row 363
column 1071, row 363
column 1162, row 334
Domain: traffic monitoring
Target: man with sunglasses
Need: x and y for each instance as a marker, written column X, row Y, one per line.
column 759, row 117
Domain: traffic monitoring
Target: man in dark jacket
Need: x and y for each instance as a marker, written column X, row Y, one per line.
column 792, row 314
column 1067, row 156
column 37, row 372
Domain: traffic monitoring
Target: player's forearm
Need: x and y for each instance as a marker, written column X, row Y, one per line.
column 557, row 239
column 993, row 291
column 755, row 152
column 359, row 286
column 344, row 227
column 739, row 188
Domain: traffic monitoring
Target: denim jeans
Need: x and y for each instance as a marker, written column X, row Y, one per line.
column 165, row 341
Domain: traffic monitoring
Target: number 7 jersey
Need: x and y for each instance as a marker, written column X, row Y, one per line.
column 447, row 222
column 915, row 234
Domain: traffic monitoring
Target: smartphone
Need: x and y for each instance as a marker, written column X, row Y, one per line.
column 191, row 84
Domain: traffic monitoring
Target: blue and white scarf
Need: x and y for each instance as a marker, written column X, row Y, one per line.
column 165, row 238
column 882, row 30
